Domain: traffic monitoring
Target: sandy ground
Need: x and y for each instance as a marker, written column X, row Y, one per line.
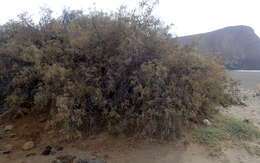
column 152, row 153
column 249, row 112
column 121, row 150
column 249, row 81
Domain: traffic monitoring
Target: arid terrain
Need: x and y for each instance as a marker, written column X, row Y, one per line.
column 126, row 150
column 93, row 84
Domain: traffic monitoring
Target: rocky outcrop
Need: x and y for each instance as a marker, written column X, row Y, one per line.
column 237, row 46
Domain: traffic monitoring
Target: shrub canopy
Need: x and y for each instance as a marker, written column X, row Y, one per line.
column 121, row 72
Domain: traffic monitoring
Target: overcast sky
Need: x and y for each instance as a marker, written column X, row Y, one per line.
column 188, row 16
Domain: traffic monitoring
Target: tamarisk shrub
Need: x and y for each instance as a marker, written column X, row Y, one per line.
column 121, row 72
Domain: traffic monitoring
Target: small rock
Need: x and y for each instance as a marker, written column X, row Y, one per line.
column 246, row 120
column 30, row 154
column 58, row 148
column 92, row 159
column 8, row 127
column 206, row 122
column 28, row 145
column 5, row 152
column 64, row 159
column 12, row 135
column 47, row 150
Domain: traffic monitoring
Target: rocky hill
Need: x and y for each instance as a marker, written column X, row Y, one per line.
column 238, row 46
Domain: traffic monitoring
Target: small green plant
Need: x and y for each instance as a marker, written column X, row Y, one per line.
column 241, row 129
column 210, row 136
column 226, row 128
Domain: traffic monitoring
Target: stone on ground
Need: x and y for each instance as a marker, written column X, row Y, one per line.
column 8, row 127
column 64, row 159
column 92, row 159
column 47, row 150
column 206, row 122
column 28, row 145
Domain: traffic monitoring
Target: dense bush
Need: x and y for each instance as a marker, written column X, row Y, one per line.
column 121, row 72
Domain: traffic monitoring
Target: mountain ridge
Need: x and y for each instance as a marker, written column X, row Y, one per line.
column 238, row 46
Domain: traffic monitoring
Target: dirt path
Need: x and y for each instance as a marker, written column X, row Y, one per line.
column 154, row 153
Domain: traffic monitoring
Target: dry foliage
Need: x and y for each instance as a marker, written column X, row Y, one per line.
column 121, row 72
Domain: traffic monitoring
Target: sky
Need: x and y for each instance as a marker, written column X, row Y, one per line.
column 188, row 16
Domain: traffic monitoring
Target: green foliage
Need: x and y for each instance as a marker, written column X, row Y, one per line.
column 241, row 129
column 225, row 128
column 210, row 136
column 120, row 72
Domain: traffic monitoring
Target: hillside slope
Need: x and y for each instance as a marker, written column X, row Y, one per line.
column 238, row 46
